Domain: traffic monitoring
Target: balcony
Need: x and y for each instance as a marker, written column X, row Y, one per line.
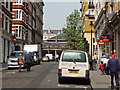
column 91, row 16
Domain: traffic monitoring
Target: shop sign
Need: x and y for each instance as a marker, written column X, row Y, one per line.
column 13, row 39
column 100, row 42
column 106, row 39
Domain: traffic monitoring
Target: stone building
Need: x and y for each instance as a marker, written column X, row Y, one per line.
column 87, row 11
column 108, row 24
column 5, row 30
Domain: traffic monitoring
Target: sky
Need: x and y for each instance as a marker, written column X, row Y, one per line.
column 55, row 14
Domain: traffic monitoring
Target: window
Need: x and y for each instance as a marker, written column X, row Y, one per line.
column 19, row 31
column 16, row 14
column 119, row 4
column 91, row 4
column 18, row 1
column 74, row 57
column 19, row 14
column 8, row 27
column 91, row 12
column 4, row 22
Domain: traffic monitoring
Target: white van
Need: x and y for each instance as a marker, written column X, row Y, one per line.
column 73, row 64
column 35, row 50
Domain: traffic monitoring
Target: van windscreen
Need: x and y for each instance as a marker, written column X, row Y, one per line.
column 74, row 57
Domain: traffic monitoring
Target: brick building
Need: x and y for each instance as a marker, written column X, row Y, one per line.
column 6, row 30
column 25, row 23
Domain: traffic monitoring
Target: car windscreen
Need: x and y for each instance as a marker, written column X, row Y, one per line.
column 16, row 54
column 74, row 57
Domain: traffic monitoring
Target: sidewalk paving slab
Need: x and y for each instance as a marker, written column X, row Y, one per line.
column 100, row 81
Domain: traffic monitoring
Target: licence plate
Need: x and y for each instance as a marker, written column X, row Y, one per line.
column 73, row 71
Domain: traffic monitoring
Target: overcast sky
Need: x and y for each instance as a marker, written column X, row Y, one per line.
column 55, row 13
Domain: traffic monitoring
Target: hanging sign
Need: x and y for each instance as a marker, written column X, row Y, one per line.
column 106, row 39
column 13, row 39
column 100, row 42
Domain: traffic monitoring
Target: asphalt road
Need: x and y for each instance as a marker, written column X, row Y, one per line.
column 41, row 76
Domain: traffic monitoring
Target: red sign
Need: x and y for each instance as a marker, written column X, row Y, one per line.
column 13, row 39
column 106, row 40
column 100, row 42
column 104, row 37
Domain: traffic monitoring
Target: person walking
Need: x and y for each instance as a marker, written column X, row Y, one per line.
column 113, row 65
column 28, row 61
column 20, row 61
column 90, row 62
column 102, row 67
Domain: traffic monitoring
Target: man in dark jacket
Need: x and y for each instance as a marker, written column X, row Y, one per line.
column 113, row 65
column 28, row 61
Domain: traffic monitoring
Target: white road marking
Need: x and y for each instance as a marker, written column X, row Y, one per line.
column 80, row 87
column 11, row 72
column 62, row 85
column 72, row 86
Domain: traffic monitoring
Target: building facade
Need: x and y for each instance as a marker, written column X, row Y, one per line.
column 47, row 34
column 39, row 22
column 87, row 11
column 27, row 25
column 108, row 24
column 5, row 30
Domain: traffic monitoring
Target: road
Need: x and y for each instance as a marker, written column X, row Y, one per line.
column 41, row 76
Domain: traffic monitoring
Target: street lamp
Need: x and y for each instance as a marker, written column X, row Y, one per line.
column 91, row 24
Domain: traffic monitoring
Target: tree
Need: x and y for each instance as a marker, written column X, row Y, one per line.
column 73, row 31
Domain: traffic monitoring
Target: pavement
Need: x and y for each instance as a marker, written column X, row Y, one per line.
column 3, row 66
column 100, row 81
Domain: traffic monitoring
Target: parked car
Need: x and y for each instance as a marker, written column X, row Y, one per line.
column 73, row 64
column 45, row 58
column 13, row 59
column 50, row 56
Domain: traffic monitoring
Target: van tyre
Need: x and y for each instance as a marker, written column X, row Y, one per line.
column 88, row 81
column 60, row 80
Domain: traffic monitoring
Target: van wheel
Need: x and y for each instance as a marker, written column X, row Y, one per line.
column 60, row 80
column 9, row 68
column 39, row 62
column 88, row 81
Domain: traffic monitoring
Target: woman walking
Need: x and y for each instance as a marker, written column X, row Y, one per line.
column 20, row 61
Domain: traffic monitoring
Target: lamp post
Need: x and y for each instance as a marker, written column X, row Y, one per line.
column 91, row 24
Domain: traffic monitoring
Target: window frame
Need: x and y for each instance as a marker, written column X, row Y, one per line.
column 19, row 14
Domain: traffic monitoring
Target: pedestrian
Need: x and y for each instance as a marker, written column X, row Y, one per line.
column 20, row 61
column 102, row 67
column 28, row 61
column 90, row 62
column 96, row 58
column 113, row 65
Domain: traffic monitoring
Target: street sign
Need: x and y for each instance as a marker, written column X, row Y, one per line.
column 100, row 42
column 13, row 39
